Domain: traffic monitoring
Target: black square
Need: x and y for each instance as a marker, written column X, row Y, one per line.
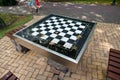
column 49, row 39
column 67, row 35
column 58, row 37
column 47, row 29
column 71, row 41
column 62, row 27
column 65, row 31
column 55, row 28
column 53, row 25
column 39, row 30
column 48, row 33
column 73, row 30
column 61, row 43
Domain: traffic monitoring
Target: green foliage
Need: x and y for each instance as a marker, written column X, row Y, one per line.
column 18, row 21
column 8, row 2
column 87, row 1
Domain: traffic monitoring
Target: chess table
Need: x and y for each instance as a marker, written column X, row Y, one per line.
column 60, row 38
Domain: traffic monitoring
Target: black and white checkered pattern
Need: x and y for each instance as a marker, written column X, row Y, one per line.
column 57, row 30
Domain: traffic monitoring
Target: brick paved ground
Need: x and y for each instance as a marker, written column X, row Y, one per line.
column 33, row 66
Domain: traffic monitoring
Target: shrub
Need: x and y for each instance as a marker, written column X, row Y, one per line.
column 8, row 2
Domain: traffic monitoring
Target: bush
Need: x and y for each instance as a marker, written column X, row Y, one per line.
column 56, row 0
column 8, row 2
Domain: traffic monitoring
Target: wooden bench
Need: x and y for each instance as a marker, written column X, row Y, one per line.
column 113, row 70
column 9, row 76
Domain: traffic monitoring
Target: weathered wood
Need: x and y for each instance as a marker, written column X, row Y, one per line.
column 9, row 76
column 113, row 70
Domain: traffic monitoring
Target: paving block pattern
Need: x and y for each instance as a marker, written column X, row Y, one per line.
column 33, row 66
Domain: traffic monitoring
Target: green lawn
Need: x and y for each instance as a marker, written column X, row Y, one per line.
column 15, row 20
column 96, row 1
column 107, row 2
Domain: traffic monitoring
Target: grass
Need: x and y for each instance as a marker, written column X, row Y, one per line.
column 16, row 20
column 96, row 1
column 106, row 2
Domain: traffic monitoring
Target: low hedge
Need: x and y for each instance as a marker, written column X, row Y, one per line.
column 8, row 2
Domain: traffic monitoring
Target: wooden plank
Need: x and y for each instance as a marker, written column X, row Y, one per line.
column 114, row 69
column 113, row 76
column 13, row 77
column 114, row 51
column 115, row 54
column 114, row 59
column 6, row 76
column 114, row 63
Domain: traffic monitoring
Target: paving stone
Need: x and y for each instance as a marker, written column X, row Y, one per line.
column 61, row 75
column 41, row 77
column 48, row 74
column 35, row 73
column 68, row 74
column 29, row 75
column 91, row 66
column 24, row 72
column 22, row 77
column 55, row 77
column 68, row 78
column 48, row 68
column 42, row 69
column 76, row 76
column 55, row 71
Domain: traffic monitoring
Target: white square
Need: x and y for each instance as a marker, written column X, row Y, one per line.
column 69, row 21
column 61, row 19
column 78, row 23
column 50, row 27
column 67, row 28
column 75, row 27
column 44, row 37
column 48, row 21
column 34, row 29
column 81, row 26
column 65, row 25
column 60, row 30
column 78, row 31
column 55, row 41
column 63, row 22
column 67, row 45
column 55, row 20
column 53, row 17
column 35, row 33
column 71, row 24
column 56, row 23
column 43, row 32
column 49, row 24
column 73, row 38
column 70, row 32
column 42, row 28
column 58, row 26
column 52, row 31
column 64, row 39
column 53, row 35
column 61, row 34
column 42, row 24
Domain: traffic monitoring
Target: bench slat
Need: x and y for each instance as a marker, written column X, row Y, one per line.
column 114, row 64
column 114, row 69
column 113, row 76
column 114, row 59
column 115, row 54
column 13, row 77
column 6, row 76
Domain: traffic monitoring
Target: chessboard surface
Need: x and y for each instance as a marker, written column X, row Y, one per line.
column 61, row 34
